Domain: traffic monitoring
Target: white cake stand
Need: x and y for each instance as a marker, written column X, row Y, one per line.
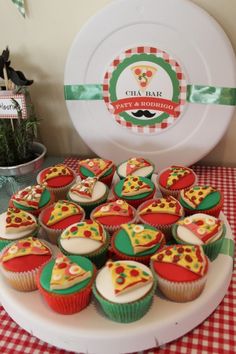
column 90, row 332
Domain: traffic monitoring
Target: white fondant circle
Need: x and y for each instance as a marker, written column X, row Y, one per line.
column 98, row 192
column 13, row 235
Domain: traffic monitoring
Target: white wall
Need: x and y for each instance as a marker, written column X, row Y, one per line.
column 39, row 46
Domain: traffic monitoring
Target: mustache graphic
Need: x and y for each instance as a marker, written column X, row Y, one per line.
column 145, row 113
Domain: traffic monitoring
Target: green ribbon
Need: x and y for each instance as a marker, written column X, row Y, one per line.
column 227, row 247
column 20, row 6
column 195, row 93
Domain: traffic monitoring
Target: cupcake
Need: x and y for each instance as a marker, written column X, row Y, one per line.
column 88, row 193
column 112, row 214
column 174, row 179
column 32, row 199
column 201, row 199
column 21, row 260
column 124, row 290
column 65, row 283
column 88, row 239
column 181, row 271
column 57, row 179
column 201, row 229
column 16, row 224
column 134, row 189
column 58, row 216
column 161, row 213
column 136, row 242
column 135, row 166
column 102, row 169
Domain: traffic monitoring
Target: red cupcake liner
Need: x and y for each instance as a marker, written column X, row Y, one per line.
column 66, row 304
column 135, row 202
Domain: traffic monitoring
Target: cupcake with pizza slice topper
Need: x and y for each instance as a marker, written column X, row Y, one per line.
column 57, row 217
column 201, row 229
column 202, row 199
column 124, row 290
column 161, row 213
column 136, row 242
column 32, row 199
column 96, row 167
column 16, row 224
column 88, row 193
column 112, row 214
column 57, row 179
column 88, row 239
column 134, row 190
column 20, row 261
column 135, row 166
column 181, row 271
column 65, row 283
column 174, row 179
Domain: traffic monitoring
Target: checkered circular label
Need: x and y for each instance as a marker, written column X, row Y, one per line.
column 145, row 90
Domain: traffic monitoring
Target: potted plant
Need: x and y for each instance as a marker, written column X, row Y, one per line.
column 20, row 154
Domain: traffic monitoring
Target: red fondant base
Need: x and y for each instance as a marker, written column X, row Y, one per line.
column 60, row 225
column 184, row 182
column 26, row 263
column 57, row 182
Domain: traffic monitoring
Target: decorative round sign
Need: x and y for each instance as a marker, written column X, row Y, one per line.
column 144, row 89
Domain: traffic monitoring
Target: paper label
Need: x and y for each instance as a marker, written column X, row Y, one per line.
column 145, row 90
column 8, row 108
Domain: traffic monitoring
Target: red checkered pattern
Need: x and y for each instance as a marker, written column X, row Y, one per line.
column 182, row 85
column 216, row 335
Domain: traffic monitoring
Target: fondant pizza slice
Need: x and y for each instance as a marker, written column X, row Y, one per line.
column 66, row 273
column 176, row 174
column 204, row 228
column 135, row 163
column 97, row 166
column 116, row 208
column 56, row 171
column 87, row 229
column 85, row 187
column 143, row 75
column 19, row 220
column 29, row 196
column 127, row 277
column 24, row 247
column 168, row 205
column 62, row 210
column 195, row 195
column 141, row 238
column 134, row 185
column 185, row 256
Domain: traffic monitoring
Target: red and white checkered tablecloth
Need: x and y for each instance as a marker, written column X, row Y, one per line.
column 217, row 334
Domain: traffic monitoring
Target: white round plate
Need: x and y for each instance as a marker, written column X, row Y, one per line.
column 90, row 332
column 190, row 36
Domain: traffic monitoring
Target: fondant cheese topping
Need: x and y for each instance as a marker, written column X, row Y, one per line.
column 98, row 192
column 105, row 287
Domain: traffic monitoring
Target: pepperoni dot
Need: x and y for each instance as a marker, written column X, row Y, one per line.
column 26, row 244
column 119, row 269
column 149, row 73
column 64, row 208
column 116, row 208
column 188, row 258
column 180, row 249
column 89, row 221
column 160, row 257
column 137, row 71
column 143, row 84
column 199, row 222
column 187, row 250
column 176, row 258
column 168, row 252
column 87, row 233
column 54, row 169
column 140, row 183
column 8, row 219
column 62, row 265
column 135, row 179
column 134, row 272
column 162, row 205
column 149, row 210
column 18, row 220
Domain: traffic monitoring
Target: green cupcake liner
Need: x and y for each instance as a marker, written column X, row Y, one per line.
column 125, row 313
column 98, row 257
column 211, row 250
